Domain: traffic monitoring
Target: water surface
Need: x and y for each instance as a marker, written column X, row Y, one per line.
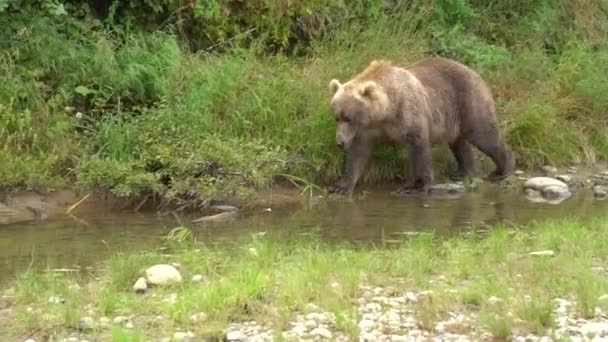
column 378, row 217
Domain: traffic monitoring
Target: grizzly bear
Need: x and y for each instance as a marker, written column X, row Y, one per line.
column 434, row 101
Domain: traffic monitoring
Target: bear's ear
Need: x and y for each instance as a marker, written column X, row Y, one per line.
column 334, row 86
column 369, row 89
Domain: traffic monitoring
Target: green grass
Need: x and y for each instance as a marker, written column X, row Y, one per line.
column 270, row 280
column 190, row 127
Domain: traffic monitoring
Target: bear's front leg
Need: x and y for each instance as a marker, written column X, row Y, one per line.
column 422, row 165
column 357, row 156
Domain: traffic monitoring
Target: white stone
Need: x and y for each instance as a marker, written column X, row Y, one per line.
column 494, row 300
column 163, row 274
column 519, row 172
column 197, row 278
column 543, row 253
column 119, row 319
column 86, row 323
column 140, row 285
column 56, row 300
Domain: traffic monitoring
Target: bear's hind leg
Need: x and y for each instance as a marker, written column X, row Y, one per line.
column 464, row 157
column 488, row 140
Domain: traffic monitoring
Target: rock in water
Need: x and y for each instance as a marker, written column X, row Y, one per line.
column 224, row 208
column 547, row 189
column 600, row 191
column 227, row 215
column 140, row 285
column 448, row 188
column 564, row 178
column 555, row 193
column 163, row 274
column 540, row 183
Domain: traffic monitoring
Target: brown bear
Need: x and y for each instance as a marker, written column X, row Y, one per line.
column 435, row 101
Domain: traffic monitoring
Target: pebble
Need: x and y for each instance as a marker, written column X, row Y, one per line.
column 197, row 278
column 56, row 300
column 104, row 321
column 519, row 172
column 119, row 320
column 140, row 285
column 494, row 300
column 543, row 253
column 564, row 178
column 86, row 323
column 549, row 169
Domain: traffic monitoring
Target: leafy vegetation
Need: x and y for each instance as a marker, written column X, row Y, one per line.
column 270, row 278
column 193, row 100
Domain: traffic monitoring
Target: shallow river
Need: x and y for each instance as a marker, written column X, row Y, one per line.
column 67, row 242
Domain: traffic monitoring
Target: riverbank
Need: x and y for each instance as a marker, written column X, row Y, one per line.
column 28, row 206
column 128, row 105
column 542, row 279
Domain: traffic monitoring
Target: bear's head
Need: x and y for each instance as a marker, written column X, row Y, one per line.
column 356, row 105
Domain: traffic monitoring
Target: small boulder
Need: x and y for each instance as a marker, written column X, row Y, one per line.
column 163, row 274
column 546, row 189
column 140, row 285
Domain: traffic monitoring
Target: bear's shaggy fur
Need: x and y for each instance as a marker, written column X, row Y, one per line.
column 435, row 101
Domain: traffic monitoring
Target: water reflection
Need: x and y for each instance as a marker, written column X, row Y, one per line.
column 85, row 240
